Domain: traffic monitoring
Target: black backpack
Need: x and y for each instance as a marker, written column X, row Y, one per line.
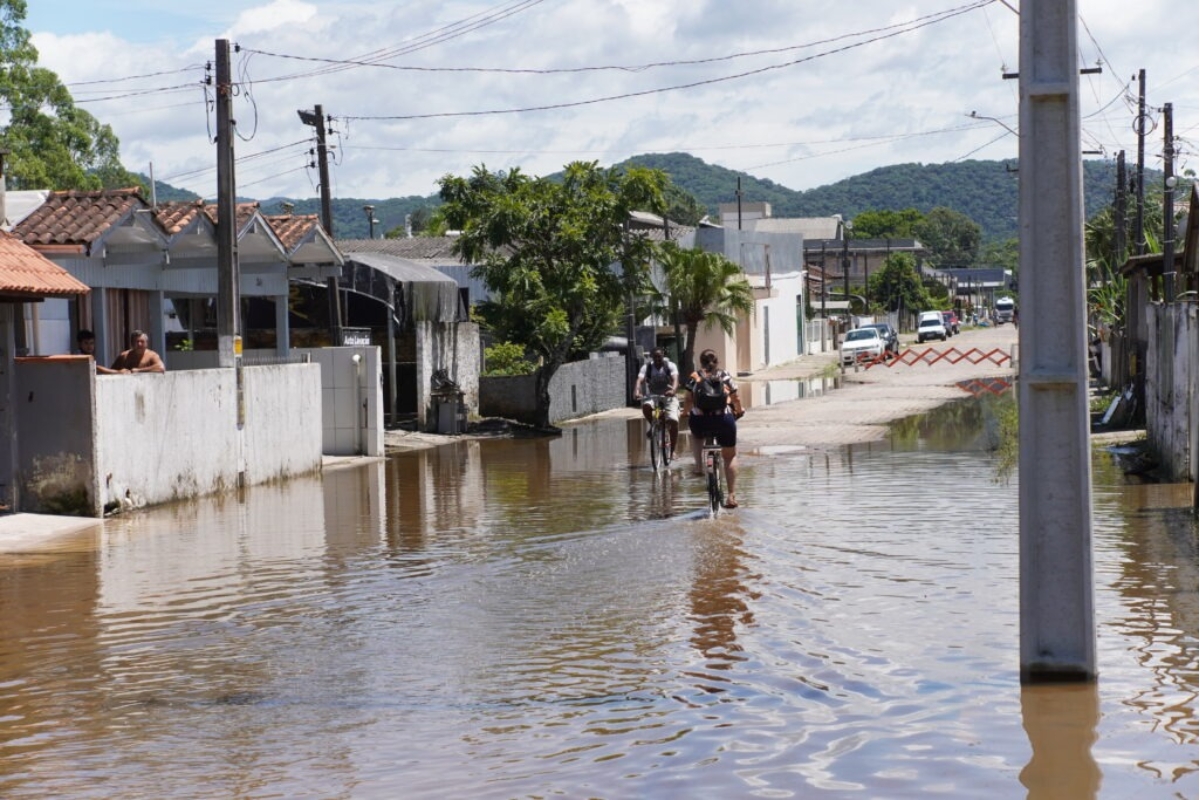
column 709, row 393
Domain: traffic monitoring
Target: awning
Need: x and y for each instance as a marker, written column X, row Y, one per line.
column 415, row 292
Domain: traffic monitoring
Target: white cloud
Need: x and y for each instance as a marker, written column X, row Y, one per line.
column 816, row 115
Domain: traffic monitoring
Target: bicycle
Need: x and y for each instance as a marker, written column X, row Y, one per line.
column 714, row 471
column 660, row 436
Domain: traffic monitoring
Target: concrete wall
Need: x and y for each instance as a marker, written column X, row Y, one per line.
column 56, row 438
column 453, row 347
column 351, row 395
column 162, row 438
column 351, row 399
column 1171, row 388
column 776, row 313
column 576, row 390
column 86, row 443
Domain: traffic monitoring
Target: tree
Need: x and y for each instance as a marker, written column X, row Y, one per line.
column 705, row 288
column 951, row 237
column 886, row 224
column 897, row 286
column 683, row 208
column 52, row 144
column 1000, row 253
column 557, row 256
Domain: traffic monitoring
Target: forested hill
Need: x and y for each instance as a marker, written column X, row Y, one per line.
column 986, row 191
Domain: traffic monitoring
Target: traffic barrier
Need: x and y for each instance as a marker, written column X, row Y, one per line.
column 913, row 356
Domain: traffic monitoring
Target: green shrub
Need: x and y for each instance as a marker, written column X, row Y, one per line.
column 506, row 358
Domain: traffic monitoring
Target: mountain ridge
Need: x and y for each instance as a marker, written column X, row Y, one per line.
column 986, row 191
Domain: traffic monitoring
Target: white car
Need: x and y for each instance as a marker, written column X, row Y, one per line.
column 862, row 344
column 931, row 327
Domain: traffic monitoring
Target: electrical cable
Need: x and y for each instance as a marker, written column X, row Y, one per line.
column 694, row 84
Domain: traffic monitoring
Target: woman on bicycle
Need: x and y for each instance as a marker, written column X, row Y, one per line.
column 713, row 409
column 659, row 376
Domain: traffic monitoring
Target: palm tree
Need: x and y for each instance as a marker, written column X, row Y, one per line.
column 706, row 288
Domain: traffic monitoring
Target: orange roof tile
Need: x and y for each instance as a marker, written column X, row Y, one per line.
column 292, row 228
column 174, row 217
column 244, row 212
column 24, row 272
column 76, row 217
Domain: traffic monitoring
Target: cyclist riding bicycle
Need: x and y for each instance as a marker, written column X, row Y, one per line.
column 713, row 408
column 659, row 376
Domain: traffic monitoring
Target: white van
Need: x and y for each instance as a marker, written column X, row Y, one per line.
column 930, row 325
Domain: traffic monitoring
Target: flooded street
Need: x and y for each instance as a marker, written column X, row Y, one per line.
column 528, row 618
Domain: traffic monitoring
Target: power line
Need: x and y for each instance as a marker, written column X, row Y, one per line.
column 914, row 25
column 438, row 36
column 613, row 67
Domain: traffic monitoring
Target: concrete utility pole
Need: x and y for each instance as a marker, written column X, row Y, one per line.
column 1118, row 219
column 1058, row 634
column 316, row 118
column 1139, row 224
column 1168, row 204
column 228, row 278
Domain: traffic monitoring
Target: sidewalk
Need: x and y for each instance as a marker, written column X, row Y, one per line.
column 19, row 532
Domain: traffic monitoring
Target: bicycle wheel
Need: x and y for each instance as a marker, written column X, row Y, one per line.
column 714, row 485
column 655, row 444
column 664, row 443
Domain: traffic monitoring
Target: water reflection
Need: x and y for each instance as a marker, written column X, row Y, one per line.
column 543, row 617
column 1061, row 724
column 764, row 393
column 719, row 598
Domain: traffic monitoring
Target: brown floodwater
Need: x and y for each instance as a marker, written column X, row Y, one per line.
column 547, row 618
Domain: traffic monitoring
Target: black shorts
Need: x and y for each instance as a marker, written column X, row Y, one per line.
column 723, row 426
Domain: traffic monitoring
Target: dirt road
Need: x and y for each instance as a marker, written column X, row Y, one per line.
column 854, row 406
column 859, row 409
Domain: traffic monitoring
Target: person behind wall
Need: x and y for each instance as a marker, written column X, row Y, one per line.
column 139, row 357
column 720, row 422
column 85, row 342
column 659, row 376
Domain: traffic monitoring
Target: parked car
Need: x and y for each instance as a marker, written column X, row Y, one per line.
column 931, row 327
column 862, row 344
column 950, row 320
column 891, row 338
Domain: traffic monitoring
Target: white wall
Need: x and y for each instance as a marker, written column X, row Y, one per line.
column 347, row 428
column 780, row 323
column 169, row 437
column 351, row 399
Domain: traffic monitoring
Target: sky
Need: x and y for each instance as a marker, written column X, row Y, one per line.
column 800, row 92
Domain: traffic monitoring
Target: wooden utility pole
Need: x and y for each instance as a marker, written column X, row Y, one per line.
column 316, row 118
column 1057, row 615
column 228, row 285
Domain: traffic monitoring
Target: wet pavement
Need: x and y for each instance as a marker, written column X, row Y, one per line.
column 515, row 618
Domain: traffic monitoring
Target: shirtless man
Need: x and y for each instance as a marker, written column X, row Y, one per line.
column 139, row 357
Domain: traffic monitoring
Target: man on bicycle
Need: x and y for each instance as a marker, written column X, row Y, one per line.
column 716, row 418
column 659, row 376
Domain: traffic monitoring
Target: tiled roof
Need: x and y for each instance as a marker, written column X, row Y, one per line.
column 244, row 212
column 78, row 218
column 292, row 228
column 175, row 217
column 27, row 273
